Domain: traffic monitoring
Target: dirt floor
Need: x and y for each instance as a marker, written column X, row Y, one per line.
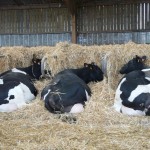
column 99, row 127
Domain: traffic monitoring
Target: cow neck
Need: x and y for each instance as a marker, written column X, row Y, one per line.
column 79, row 72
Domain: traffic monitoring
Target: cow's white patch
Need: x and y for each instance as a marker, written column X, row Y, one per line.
column 17, row 70
column 147, row 78
column 1, row 81
column 130, row 111
column 118, row 101
column 46, row 94
column 87, row 95
column 16, row 102
column 8, row 107
column 139, row 90
column 28, row 96
column 21, row 94
column 18, row 94
column 145, row 70
column 77, row 108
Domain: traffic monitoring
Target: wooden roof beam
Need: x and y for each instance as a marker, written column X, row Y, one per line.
column 71, row 4
column 18, row 2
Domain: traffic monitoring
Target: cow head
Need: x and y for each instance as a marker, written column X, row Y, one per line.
column 136, row 63
column 93, row 73
column 38, row 67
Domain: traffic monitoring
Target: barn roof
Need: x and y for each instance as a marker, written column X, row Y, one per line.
column 6, row 3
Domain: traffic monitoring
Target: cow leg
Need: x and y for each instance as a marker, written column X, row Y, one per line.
column 130, row 111
column 118, row 101
column 9, row 107
column 117, row 104
column 26, row 93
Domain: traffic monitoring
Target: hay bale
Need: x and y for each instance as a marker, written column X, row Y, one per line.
column 3, row 63
column 19, row 56
column 98, row 127
column 68, row 55
column 119, row 56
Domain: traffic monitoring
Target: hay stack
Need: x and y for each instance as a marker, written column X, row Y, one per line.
column 68, row 55
column 120, row 55
column 98, row 127
column 20, row 56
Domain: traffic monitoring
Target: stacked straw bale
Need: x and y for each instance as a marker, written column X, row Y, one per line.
column 120, row 55
column 98, row 127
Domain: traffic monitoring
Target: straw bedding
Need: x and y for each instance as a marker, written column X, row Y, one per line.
column 98, row 127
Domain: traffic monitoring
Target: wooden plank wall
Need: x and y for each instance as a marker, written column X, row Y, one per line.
column 114, row 24
column 114, row 18
column 35, row 21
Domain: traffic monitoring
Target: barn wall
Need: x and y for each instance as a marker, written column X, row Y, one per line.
column 33, row 39
column 34, row 27
column 114, row 24
column 35, row 21
column 113, row 38
column 96, row 24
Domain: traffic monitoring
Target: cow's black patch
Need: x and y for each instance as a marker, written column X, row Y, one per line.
column 4, row 102
column 11, row 97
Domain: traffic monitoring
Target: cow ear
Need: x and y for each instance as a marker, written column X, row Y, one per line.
column 93, row 63
column 138, row 59
column 34, row 58
column 143, row 58
column 136, row 56
column 86, row 65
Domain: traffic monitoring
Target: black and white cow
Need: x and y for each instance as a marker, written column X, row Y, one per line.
column 68, row 91
column 16, row 89
column 36, row 70
column 136, row 63
column 133, row 92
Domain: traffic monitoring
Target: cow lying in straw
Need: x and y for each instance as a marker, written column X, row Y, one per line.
column 36, row 70
column 68, row 91
column 17, row 87
column 133, row 92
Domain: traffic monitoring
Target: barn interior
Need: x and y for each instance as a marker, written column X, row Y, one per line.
column 108, row 41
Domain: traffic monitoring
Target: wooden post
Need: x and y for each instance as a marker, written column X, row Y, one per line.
column 74, row 29
column 71, row 4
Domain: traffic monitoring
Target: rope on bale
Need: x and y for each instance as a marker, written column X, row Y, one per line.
column 104, row 65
